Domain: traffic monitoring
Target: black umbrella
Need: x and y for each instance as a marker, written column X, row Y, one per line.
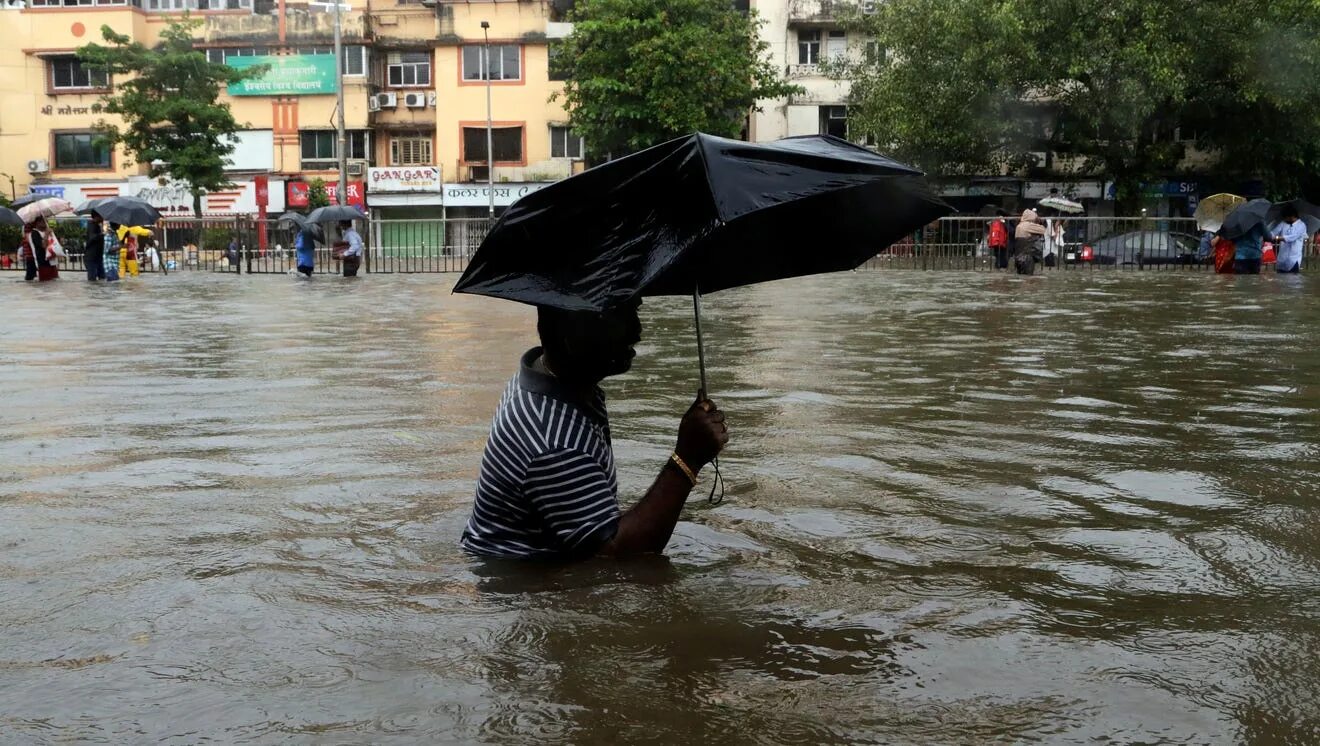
column 27, row 199
column 1300, row 206
column 296, row 218
column 9, row 217
column 696, row 215
column 88, row 207
column 334, row 213
column 128, row 211
column 1245, row 217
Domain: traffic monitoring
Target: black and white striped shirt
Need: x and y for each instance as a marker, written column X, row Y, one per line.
column 547, row 487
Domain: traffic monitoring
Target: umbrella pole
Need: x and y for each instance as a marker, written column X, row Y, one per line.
column 701, row 348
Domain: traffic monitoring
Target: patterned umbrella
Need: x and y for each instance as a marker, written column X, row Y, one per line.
column 47, row 207
column 1212, row 210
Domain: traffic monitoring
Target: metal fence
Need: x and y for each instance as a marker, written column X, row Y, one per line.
column 446, row 245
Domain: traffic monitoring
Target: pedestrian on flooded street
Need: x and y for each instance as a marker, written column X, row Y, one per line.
column 1290, row 239
column 352, row 256
column 1248, row 251
column 547, row 488
column 1028, row 237
column 997, row 240
column 94, row 249
column 305, row 248
column 40, row 252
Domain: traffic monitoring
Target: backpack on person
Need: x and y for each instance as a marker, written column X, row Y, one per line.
column 998, row 238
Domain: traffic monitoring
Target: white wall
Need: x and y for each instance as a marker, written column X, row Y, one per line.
column 254, row 150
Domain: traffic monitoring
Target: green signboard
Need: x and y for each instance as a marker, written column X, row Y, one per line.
column 289, row 75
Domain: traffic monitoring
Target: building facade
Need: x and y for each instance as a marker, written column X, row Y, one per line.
column 414, row 76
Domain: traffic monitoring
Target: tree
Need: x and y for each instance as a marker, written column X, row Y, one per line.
column 972, row 86
column 168, row 98
column 317, row 194
column 644, row 71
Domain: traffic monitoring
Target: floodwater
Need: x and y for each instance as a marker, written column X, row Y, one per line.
column 962, row 508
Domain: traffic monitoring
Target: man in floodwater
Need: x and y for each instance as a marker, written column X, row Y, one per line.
column 547, row 487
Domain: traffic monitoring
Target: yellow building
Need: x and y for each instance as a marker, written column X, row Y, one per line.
column 415, row 100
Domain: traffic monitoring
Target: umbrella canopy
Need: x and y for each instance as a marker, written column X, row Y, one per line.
column 1063, row 205
column 88, row 207
column 9, row 217
column 27, row 199
column 696, row 215
column 1244, row 218
column 127, row 211
column 334, row 213
column 1300, row 206
column 315, row 231
column 45, row 207
column 1212, row 210
column 295, row 218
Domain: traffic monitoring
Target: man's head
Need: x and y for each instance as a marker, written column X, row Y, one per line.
column 1289, row 215
column 585, row 346
column 345, row 225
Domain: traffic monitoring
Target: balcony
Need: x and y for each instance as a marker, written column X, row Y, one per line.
column 826, row 12
column 805, row 71
column 301, row 26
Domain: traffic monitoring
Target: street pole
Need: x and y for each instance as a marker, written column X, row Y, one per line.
column 341, row 192
column 490, row 150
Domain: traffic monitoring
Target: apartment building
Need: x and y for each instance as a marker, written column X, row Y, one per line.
column 415, row 101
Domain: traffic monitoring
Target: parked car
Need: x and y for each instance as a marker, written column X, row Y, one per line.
column 1136, row 247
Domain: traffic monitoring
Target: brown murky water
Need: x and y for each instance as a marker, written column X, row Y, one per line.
column 962, row 508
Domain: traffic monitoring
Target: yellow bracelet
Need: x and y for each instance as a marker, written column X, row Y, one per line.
column 678, row 461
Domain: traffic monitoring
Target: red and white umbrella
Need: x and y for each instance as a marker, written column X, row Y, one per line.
column 48, row 207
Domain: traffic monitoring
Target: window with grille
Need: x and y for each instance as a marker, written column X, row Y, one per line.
column 410, row 150
column 506, row 142
column 222, row 56
column 505, row 62
column 564, row 143
column 67, row 73
column 404, row 69
column 319, row 152
column 354, row 63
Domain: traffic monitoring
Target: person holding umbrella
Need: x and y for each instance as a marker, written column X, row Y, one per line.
column 94, row 248
column 586, row 250
column 1292, row 233
column 304, row 245
column 350, row 248
column 352, row 255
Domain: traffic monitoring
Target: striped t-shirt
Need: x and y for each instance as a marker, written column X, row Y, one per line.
column 547, row 487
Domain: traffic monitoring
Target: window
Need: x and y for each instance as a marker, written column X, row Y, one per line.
column 222, row 56
column 564, row 143
column 81, row 150
column 834, row 121
column 67, row 73
column 507, row 142
column 557, row 61
column 809, row 47
column 505, row 62
column 409, row 68
column 73, row 3
column 319, row 152
column 355, row 58
column 410, row 150
column 875, row 54
column 170, row 5
column 836, row 45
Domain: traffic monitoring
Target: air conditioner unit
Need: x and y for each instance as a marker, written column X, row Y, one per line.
column 357, row 168
column 38, row 166
column 386, row 100
column 429, row 3
column 414, row 100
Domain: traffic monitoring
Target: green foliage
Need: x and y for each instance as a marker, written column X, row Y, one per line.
column 317, row 194
column 168, row 98
column 645, row 71
column 972, row 86
column 216, row 238
column 71, row 233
